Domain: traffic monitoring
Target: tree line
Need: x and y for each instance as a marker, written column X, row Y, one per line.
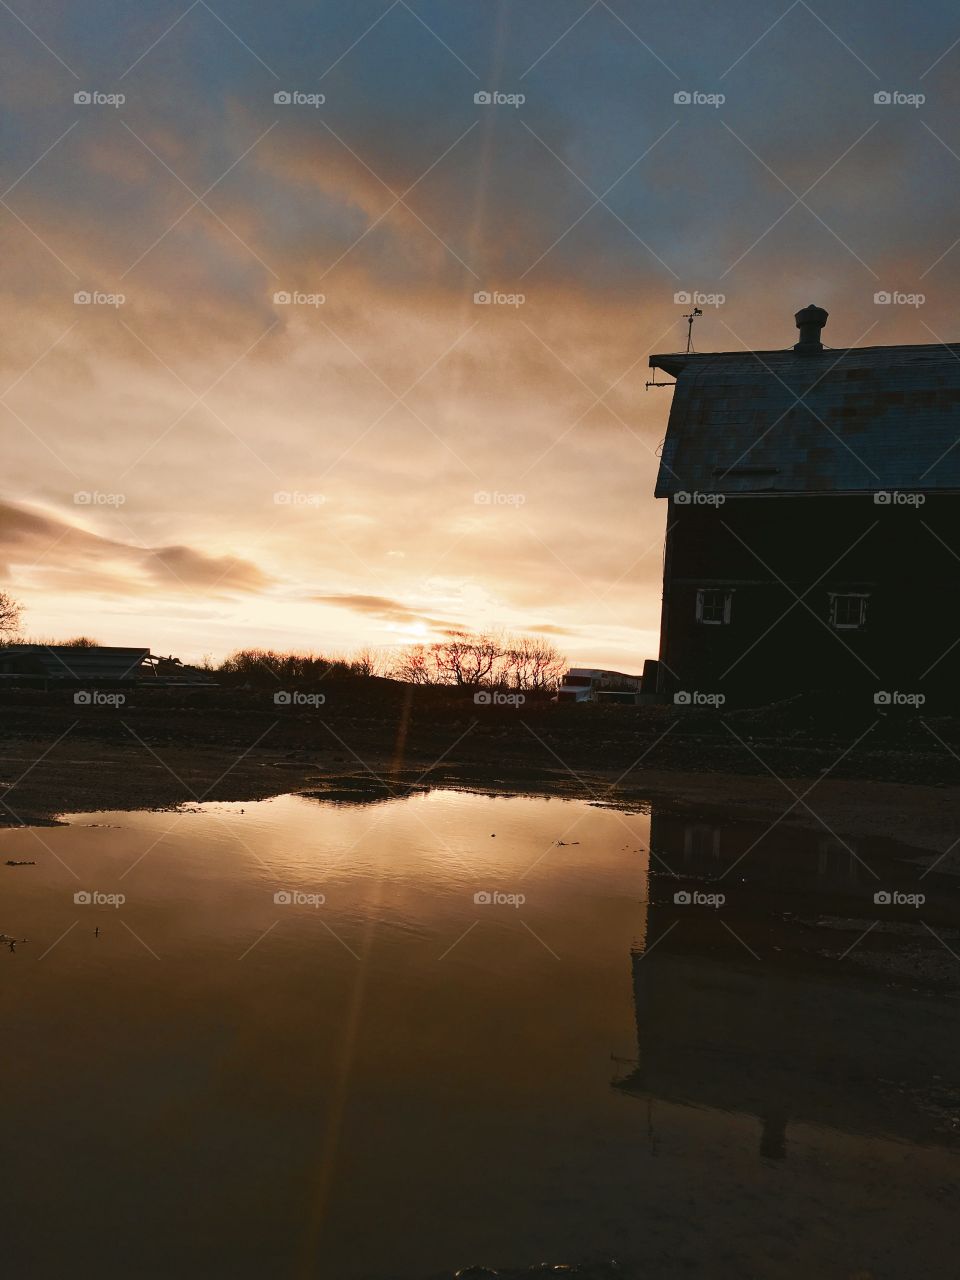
column 465, row 659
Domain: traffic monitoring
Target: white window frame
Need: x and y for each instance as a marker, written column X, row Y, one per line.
column 862, row 596
column 727, row 606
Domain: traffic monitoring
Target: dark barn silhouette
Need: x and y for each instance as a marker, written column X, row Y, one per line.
column 740, row 1012
column 812, row 529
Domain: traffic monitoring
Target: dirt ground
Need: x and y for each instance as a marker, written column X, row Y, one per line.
column 40, row 780
column 822, row 761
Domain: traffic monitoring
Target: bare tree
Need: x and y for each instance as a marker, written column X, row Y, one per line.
column 533, row 663
column 267, row 667
column 469, row 659
column 368, row 662
column 9, row 614
column 415, row 665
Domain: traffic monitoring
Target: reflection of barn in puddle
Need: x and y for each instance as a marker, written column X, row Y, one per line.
column 730, row 1022
column 782, row 860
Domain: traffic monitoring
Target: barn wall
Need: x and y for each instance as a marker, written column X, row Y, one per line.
column 768, row 551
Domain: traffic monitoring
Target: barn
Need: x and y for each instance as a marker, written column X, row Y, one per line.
column 813, row 528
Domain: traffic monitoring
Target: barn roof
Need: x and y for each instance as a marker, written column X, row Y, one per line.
column 855, row 420
column 70, row 662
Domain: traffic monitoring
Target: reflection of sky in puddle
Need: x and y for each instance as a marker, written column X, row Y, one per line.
column 404, row 1078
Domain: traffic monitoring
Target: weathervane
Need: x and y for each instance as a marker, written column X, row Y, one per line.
column 690, row 319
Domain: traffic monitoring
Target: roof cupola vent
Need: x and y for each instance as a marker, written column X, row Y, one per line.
column 810, row 322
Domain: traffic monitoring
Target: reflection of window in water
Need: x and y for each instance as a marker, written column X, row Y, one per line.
column 773, row 1136
column 701, row 841
column 836, row 862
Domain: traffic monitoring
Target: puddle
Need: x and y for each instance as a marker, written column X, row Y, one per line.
column 379, row 1041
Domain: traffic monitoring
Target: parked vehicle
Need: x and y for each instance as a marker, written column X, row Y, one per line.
column 592, row 684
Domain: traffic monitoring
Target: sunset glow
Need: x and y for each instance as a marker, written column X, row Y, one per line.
column 382, row 458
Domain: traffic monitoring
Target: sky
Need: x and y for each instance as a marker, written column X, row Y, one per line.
column 328, row 325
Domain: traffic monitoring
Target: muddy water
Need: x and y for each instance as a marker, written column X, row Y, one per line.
column 389, row 1039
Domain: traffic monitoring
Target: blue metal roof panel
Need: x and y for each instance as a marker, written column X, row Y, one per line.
column 857, row 420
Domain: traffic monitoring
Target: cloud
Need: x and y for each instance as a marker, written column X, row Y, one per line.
column 194, row 570
column 549, row 630
column 546, row 400
column 43, row 547
column 386, row 610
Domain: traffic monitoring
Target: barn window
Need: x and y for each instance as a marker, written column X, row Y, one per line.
column 713, row 606
column 848, row 612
